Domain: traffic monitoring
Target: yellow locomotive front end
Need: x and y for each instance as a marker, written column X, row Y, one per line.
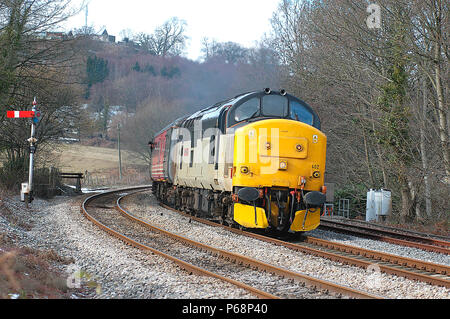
column 256, row 160
column 278, row 175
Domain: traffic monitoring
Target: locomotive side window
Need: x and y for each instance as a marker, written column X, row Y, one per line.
column 191, row 163
column 247, row 110
column 300, row 113
column 212, row 149
column 181, row 158
column 274, row 105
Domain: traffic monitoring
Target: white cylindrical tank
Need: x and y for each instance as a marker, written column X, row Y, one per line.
column 370, row 206
column 379, row 203
column 378, row 198
column 386, row 202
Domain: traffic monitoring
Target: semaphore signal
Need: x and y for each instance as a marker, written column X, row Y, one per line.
column 20, row 114
column 27, row 188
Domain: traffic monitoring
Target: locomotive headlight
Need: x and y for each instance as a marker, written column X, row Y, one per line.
column 283, row 165
column 316, row 174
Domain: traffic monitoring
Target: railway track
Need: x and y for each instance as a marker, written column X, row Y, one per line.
column 435, row 274
column 100, row 210
column 389, row 234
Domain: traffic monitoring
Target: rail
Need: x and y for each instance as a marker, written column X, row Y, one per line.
column 182, row 264
column 431, row 273
column 256, row 264
column 389, row 236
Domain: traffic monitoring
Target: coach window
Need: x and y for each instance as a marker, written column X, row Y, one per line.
column 301, row 113
column 274, row 105
column 247, row 110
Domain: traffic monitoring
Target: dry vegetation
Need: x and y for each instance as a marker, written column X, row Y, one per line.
column 31, row 273
column 28, row 273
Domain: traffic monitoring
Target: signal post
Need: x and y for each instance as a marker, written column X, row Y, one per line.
column 27, row 188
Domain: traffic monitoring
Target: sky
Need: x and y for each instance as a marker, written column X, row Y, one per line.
column 240, row 21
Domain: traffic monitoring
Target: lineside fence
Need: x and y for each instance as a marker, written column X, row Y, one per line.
column 47, row 182
column 130, row 176
column 50, row 181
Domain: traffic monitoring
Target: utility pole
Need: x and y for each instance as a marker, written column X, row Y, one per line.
column 120, row 155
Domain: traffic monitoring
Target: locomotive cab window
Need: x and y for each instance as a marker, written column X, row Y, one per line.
column 247, row 110
column 300, row 113
column 274, row 105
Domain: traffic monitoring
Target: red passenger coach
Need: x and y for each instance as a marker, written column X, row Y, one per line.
column 163, row 169
column 160, row 153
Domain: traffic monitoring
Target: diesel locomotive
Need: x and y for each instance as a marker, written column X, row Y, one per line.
column 254, row 161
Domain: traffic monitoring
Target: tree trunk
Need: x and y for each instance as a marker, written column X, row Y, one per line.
column 405, row 214
column 442, row 108
column 423, row 151
column 442, row 112
column 362, row 111
column 378, row 151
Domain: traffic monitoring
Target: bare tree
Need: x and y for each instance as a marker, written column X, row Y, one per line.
column 368, row 80
column 153, row 114
column 168, row 39
column 33, row 64
column 228, row 52
column 429, row 43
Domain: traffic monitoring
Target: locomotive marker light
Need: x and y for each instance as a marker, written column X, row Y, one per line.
column 35, row 115
column 315, row 139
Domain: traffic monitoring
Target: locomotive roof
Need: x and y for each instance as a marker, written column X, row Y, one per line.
column 228, row 103
column 173, row 124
